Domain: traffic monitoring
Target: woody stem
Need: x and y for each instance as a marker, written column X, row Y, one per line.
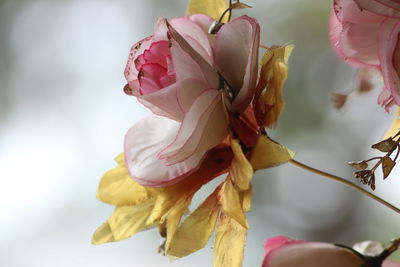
column 345, row 182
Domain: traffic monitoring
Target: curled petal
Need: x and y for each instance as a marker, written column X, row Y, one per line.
column 349, row 11
column 355, row 43
column 203, row 127
column 131, row 72
column 236, row 57
column 194, row 35
column 203, row 21
column 283, row 252
column 142, row 143
column 389, row 8
column 389, row 55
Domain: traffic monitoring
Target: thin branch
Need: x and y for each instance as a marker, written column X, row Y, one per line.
column 345, row 182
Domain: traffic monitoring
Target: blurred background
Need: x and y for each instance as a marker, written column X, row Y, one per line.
column 63, row 115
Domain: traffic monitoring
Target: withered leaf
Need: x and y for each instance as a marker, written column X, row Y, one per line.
column 359, row 165
column 387, row 166
column 240, row 5
column 385, row 145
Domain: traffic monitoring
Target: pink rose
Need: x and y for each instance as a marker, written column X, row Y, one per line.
column 281, row 251
column 176, row 73
column 365, row 35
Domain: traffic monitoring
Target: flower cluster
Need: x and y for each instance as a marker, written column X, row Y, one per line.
column 365, row 34
column 211, row 102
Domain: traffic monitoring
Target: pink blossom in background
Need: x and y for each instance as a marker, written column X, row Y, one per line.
column 281, row 251
column 174, row 74
column 365, row 34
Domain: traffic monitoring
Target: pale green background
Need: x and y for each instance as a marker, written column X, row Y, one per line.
column 63, row 116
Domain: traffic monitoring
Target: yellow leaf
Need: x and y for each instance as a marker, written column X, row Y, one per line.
column 117, row 188
column 231, row 204
column 241, row 170
column 174, row 218
column 229, row 243
column 212, row 8
column 195, row 231
column 395, row 126
column 269, row 101
column 267, row 153
column 128, row 220
column 103, row 234
column 246, row 197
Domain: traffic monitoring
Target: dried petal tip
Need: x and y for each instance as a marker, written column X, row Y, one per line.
column 385, row 145
column 240, row 5
column 359, row 165
column 339, row 100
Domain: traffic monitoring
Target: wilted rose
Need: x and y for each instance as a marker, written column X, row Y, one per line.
column 365, row 34
column 177, row 73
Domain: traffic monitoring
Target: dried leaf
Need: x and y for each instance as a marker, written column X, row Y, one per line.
column 246, row 197
column 268, row 100
column 229, row 243
column 339, row 100
column 194, row 232
column 267, row 153
column 103, row 234
column 241, row 171
column 395, row 126
column 117, row 188
column 387, row 166
column 385, row 145
column 240, row 5
column 124, row 222
column 212, row 8
column 359, row 165
column 231, row 204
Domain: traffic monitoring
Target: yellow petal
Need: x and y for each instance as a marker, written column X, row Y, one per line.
column 103, row 234
column 246, row 197
column 174, row 218
column 117, row 188
column 128, row 220
column 267, row 153
column 229, row 243
column 395, row 126
column 212, row 8
column 273, row 74
column 195, row 231
column 231, row 203
column 241, row 170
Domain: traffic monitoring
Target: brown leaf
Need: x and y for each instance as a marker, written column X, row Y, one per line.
column 387, row 166
column 359, row 165
column 385, row 145
column 240, row 5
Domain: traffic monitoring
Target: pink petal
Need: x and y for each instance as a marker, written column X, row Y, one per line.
column 203, row 127
column 164, row 102
column 131, row 72
column 151, row 72
column 389, row 8
column 355, row 43
column 349, row 11
column 209, row 74
column 389, row 263
column 194, row 35
column 142, row 143
column 284, row 252
column 389, row 55
column 203, row 21
column 157, row 53
column 385, row 99
column 236, row 56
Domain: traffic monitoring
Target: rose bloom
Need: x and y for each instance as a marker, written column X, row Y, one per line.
column 365, row 34
column 281, row 251
column 176, row 73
